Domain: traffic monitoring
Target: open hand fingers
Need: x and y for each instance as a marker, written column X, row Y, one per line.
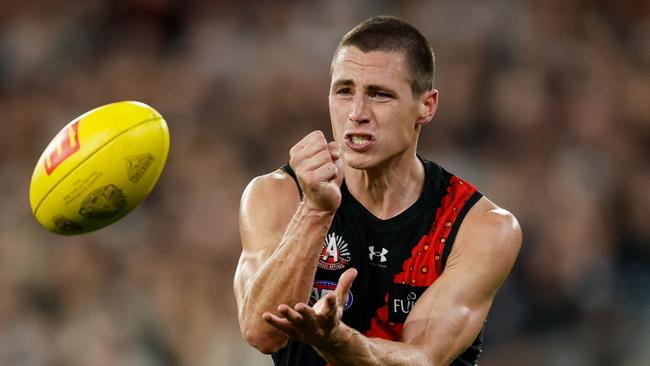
column 290, row 314
column 329, row 309
column 308, row 315
column 326, row 306
column 305, row 323
column 279, row 323
column 344, row 285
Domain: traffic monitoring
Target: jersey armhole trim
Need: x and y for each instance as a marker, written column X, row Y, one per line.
column 471, row 201
column 289, row 170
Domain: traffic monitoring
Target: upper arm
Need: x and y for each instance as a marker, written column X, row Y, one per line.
column 450, row 313
column 267, row 206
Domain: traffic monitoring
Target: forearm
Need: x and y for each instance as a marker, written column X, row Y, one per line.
column 286, row 277
column 351, row 348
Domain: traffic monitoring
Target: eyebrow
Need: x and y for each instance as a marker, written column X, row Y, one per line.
column 345, row 82
column 371, row 87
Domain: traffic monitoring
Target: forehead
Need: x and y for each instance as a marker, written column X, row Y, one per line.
column 350, row 63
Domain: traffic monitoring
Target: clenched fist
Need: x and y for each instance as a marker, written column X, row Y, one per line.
column 319, row 171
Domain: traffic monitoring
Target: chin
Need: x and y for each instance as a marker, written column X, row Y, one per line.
column 368, row 160
column 359, row 161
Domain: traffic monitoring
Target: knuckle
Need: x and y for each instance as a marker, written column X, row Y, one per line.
column 312, row 135
column 319, row 134
column 295, row 158
column 293, row 161
column 319, row 137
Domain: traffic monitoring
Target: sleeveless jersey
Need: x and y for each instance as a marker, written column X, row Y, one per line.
column 397, row 260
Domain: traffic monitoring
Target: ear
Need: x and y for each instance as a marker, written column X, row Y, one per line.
column 427, row 106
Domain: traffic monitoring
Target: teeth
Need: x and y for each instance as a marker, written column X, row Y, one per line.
column 359, row 140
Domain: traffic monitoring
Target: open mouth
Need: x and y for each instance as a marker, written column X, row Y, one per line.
column 359, row 142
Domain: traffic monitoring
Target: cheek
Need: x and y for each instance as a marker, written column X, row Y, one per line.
column 337, row 118
column 403, row 128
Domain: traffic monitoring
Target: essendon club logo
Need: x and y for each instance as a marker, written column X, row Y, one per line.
column 322, row 288
column 64, row 144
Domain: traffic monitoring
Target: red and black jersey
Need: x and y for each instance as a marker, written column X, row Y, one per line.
column 397, row 260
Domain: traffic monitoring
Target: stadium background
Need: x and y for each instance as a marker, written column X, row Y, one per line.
column 543, row 104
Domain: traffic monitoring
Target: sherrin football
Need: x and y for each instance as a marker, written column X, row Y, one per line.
column 99, row 167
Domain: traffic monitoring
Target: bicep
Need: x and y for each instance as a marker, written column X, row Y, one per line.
column 447, row 318
column 267, row 206
column 451, row 312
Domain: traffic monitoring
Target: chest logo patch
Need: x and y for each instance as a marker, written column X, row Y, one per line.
column 377, row 257
column 322, row 288
column 335, row 253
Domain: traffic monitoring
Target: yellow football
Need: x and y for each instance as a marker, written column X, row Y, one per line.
column 99, row 167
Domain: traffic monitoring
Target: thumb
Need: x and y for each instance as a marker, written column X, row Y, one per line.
column 340, row 174
column 344, row 285
column 335, row 155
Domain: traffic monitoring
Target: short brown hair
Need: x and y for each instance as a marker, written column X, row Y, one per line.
column 390, row 34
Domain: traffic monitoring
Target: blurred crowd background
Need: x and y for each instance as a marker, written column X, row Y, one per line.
column 545, row 105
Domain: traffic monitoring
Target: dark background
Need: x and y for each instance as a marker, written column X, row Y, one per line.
column 545, row 105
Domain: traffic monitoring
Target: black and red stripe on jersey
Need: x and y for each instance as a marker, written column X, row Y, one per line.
column 397, row 260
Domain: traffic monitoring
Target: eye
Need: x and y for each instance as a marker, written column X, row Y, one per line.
column 380, row 95
column 343, row 91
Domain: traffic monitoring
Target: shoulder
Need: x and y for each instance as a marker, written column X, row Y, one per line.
column 496, row 222
column 275, row 183
column 269, row 201
column 489, row 234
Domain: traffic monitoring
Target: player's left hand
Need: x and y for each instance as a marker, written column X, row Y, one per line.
column 315, row 325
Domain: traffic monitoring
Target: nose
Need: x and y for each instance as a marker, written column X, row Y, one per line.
column 359, row 111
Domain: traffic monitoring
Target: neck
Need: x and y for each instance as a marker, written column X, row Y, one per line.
column 389, row 189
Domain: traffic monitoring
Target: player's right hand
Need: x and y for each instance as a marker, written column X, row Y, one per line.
column 319, row 170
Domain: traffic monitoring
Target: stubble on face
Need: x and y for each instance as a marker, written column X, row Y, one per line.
column 383, row 80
